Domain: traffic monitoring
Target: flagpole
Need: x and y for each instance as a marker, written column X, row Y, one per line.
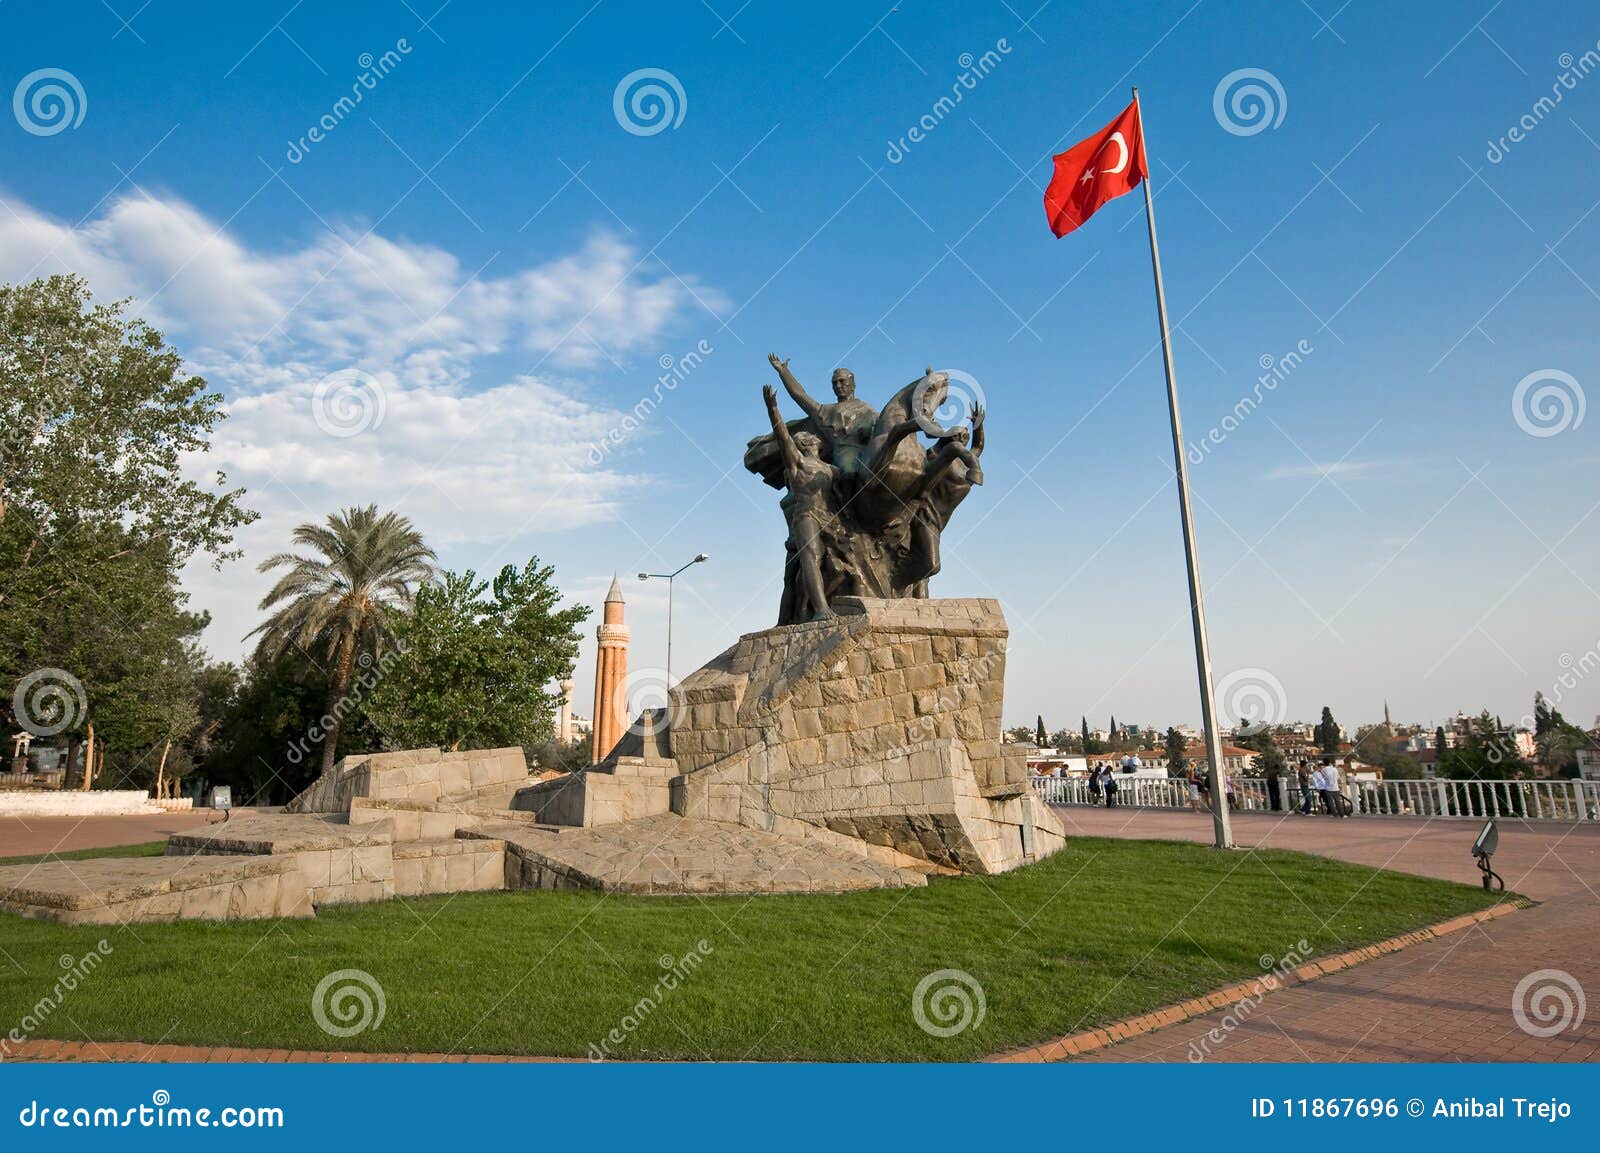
column 1197, row 609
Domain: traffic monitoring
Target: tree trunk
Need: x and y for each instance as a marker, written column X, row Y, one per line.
column 336, row 695
column 88, row 759
column 161, row 769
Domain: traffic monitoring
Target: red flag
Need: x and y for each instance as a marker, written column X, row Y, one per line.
column 1094, row 171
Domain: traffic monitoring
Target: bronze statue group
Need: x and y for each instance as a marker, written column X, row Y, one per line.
column 865, row 499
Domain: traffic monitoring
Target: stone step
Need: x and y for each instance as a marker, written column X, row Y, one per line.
column 671, row 854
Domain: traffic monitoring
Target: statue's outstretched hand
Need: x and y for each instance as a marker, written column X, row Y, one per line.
column 770, row 394
column 773, row 359
column 977, row 416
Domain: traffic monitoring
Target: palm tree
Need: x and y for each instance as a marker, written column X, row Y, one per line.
column 338, row 601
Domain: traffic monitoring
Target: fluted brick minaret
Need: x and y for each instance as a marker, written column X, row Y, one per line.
column 610, row 672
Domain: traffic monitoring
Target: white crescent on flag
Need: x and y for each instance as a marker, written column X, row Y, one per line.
column 1122, row 162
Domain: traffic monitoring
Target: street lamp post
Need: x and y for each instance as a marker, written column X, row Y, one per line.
column 669, row 577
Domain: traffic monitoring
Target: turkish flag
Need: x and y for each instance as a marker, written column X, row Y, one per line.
column 1094, row 171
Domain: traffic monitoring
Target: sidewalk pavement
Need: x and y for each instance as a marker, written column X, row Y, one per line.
column 30, row 836
column 1450, row 999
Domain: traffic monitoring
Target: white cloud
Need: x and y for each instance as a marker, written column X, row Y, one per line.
column 468, row 460
column 347, row 296
column 1333, row 470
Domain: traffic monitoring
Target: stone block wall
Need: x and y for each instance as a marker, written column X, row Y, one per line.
column 424, row 776
column 882, row 725
column 621, row 789
column 455, row 866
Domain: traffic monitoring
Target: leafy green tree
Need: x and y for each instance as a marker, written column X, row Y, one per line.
column 1021, row 734
column 1268, row 757
column 1374, row 745
column 1177, row 749
column 97, row 420
column 1327, row 733
column 1556, row 738
column 552, row 754
column 121, row 645
column 1485, row 752
column 476, row 662
column 262, row 744
column 1041, row 736
column 339, row 601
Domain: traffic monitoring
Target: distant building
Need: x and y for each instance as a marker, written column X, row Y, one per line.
column 1589, row 762
column 1234, row 758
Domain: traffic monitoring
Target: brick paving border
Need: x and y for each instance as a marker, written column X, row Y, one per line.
column 1230, row 995
column 138, row 1052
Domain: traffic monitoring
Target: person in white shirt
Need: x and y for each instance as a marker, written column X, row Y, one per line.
column 1332, row 798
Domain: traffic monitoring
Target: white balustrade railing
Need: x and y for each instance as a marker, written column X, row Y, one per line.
column 1552, row 800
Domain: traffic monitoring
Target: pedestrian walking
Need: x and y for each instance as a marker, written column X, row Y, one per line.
column 1111, row 789
column 1094, row 785
column 1274, row 788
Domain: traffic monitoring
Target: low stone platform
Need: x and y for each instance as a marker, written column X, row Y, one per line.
column 279, row 833
column 672, row 854
column 139, row 889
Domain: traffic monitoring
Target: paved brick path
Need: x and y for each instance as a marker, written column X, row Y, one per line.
column 1448, row 999
column 30, row 836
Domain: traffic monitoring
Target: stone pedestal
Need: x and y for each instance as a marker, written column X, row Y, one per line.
column 881, row 725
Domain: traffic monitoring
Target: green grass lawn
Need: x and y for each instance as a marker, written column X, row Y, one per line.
column 144, row 849
column 1104, row 929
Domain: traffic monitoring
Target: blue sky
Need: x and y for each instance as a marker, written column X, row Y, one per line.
column 482, row 244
